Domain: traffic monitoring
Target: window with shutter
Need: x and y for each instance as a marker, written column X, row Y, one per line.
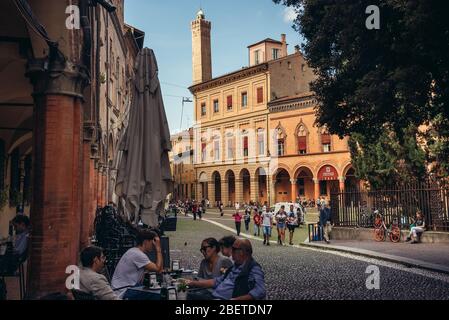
column 261, row 142
column 302, row 145
column 203, row 151
column 245, row 146
column 325, row 139
column 281, row 146
column 229, row 103
column 260, row 95
column 203, row 109
column 244, row 100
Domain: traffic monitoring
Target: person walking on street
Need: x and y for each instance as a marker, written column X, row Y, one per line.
column 325, row 222
column 267, row 223
column 200, row 212
column 238, row 221
column 281, row 219
column 292, row 223
column 220, row 206
column 257, row 222
column 194, row 210
column 247, row 218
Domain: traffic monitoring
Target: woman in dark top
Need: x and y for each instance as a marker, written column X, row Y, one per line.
column 214, row 264
column 418, row 229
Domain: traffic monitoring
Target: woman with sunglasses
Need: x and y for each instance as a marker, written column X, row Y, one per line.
column 213, row 264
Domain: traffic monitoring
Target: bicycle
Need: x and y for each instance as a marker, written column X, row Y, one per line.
column 381, row 232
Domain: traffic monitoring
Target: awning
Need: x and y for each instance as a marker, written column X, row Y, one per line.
column 327, row 173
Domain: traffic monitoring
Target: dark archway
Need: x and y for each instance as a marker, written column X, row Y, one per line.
column 305, row 187
column 351, row 181
column 261, row 175
column 246, row 185
column 216, row 178
column 282, row 186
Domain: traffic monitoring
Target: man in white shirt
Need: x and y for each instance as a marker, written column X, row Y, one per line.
column 267, row 224
column 133, row 264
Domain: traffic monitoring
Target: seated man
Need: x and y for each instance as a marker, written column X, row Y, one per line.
column 21, row 225
column 91, row 281
column 244, row 281
column 132, row 266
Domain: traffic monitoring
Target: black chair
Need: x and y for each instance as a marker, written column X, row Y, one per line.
column 12, row 266
column 81, row 295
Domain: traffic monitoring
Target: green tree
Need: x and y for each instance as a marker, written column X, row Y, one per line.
column 396, row 77
column 384, row 161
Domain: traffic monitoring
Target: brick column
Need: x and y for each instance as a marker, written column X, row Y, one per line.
column 57, row 184
column 104, row 187
column 224, row 192
column 88, row 196
column 199, row 194
column 239, row 190
column 98, row 183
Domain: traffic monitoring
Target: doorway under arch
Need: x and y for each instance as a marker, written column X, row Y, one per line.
column 282, row 186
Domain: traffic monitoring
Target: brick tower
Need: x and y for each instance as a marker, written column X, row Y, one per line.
column 201, row 49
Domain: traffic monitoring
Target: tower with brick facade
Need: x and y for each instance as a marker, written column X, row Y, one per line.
column 201, row 49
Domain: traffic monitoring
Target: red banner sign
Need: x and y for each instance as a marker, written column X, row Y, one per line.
column 327, row 173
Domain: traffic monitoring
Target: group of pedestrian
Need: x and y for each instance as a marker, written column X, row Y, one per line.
column 263, row 218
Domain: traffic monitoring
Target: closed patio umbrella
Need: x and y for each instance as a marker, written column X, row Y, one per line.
column 144, row 176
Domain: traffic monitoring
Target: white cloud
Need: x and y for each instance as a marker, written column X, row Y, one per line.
column 289, row 15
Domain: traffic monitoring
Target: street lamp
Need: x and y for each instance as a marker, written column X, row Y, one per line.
column 184, row 100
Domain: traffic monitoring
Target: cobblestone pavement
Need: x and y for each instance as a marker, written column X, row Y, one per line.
column 302, row 273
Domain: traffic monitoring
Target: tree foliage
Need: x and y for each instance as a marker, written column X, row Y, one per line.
column 374, row 83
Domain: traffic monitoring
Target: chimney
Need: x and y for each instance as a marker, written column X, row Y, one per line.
column 284, row 45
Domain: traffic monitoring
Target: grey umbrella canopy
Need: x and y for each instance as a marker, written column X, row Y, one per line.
column 144, row 176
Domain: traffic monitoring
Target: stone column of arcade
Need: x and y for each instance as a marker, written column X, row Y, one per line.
column 224, row 192
column 293, row 190
column 342, row 183
column 316, row 183
column 211, row 193
column 254, row 187
column 239, row 191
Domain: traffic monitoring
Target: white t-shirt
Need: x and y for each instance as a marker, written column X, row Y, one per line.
column 130, row 270
column 267, row 218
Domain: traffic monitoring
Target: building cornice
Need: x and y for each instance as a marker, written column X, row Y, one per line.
column 229, row 78
column 294, row 103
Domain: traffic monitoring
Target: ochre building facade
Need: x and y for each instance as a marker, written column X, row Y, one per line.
column 254, row 133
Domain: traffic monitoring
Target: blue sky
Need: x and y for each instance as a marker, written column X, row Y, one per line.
column 235, row 25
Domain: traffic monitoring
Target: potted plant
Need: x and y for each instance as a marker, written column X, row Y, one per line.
column 182, row 290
